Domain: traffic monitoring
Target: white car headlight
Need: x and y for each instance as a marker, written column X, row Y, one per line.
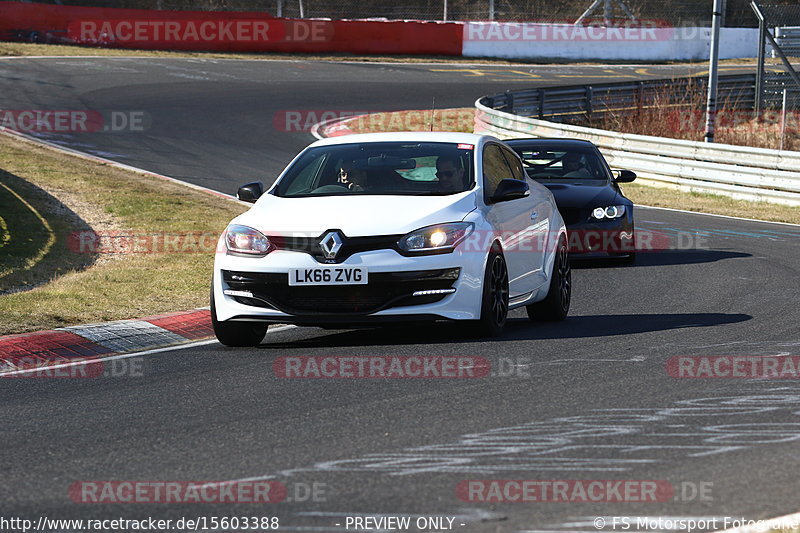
column 245, row 240
column 612, row 211
column 441, row 238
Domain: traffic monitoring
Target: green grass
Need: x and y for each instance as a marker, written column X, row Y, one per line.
column 31, row 245
column 709, row 203
column 114, row 281
column 26, row 235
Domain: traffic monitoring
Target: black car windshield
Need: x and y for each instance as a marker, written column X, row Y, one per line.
column 546, row 162
column 385, row 168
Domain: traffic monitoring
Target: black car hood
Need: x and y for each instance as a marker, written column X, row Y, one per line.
column 583, row 193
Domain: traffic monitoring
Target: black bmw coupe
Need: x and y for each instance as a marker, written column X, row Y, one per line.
column 599, row 218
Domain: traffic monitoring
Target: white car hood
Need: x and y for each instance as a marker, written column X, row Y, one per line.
column 355, row 216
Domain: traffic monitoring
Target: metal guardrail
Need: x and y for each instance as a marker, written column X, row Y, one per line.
column 586, row 103
column 737, row 171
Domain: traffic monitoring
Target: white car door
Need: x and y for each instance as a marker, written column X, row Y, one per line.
column 518, row 222
column 541, row 220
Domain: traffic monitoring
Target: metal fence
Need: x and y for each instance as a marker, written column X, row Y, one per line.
column 585, row 104
column 666, row 12
column 780, row 37
column 737, row 171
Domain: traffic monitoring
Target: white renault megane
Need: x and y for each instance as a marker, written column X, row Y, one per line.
column 367, row 229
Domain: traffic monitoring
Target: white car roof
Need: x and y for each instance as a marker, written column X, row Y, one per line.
column 406, row 136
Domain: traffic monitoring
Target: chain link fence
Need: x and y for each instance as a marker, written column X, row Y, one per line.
column 662, row 12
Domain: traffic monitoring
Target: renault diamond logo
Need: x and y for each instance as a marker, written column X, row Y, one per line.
column 331, row 243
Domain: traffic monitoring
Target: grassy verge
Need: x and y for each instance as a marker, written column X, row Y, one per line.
column 709, row 203
column 152, row 253
column 32, row 244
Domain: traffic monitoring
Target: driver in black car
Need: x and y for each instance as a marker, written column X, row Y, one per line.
column 574, row 167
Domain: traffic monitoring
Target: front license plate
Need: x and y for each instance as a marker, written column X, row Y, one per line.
column 328, row 276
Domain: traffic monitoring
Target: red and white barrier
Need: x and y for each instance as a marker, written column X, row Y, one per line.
column 260, row 32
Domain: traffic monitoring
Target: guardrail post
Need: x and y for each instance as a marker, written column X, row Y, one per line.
column 510, row 102
column 589, row 104
column 713, row 74
column 541, row 103
column 639, row 95
column 762, row 37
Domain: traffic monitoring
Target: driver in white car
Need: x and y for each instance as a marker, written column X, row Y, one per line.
column 353, row 177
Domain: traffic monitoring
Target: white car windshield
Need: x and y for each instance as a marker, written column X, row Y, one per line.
column 385, row 168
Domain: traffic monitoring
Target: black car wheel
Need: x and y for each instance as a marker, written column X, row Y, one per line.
column 556, row 306
column 494, row 304
column 237, row 333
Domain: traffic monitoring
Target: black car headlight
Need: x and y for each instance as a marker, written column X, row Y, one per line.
column 439, row 238
column 610, row 212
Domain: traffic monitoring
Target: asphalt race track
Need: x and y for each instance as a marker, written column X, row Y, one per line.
column 587, row 399
column 223, row 123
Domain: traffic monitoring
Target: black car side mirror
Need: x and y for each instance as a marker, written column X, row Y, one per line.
column 250, row 192
column 625, row 176
column 510, row 189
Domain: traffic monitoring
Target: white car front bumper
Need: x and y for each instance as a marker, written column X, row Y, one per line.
column 349, row 304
